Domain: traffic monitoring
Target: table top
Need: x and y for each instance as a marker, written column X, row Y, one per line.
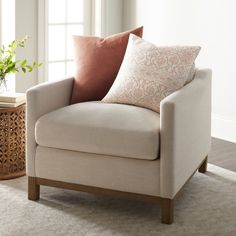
column 11, row 109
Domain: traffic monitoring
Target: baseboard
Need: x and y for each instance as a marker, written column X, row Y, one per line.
column 223, row 128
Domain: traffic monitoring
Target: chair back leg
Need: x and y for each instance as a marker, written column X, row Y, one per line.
column 203, row 166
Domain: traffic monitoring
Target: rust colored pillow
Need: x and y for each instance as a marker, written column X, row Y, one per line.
column 97, row 62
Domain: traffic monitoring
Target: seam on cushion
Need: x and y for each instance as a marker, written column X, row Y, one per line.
column 133, row 158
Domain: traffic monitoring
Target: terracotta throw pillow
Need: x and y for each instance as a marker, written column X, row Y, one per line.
column 149, row 73
column 98, row 61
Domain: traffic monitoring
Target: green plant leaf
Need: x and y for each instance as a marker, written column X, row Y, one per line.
column 8, row 64
column 23, row 63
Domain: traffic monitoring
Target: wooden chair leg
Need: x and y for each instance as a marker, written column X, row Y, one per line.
column 167, row 210
column 33, row 189
column 203, row 167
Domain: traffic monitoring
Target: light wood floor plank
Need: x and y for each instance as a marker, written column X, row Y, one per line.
column 223, row 154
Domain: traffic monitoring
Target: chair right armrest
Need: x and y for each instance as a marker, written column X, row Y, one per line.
column 40, row 100
column 185, row 132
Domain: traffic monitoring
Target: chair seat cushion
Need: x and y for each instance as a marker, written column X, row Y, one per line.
column 95, row 127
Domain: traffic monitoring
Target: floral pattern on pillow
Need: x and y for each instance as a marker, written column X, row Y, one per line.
column 149, row 73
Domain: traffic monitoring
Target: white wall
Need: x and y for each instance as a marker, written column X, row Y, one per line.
column 113, row 17
column 108, row 17
column 26, row 23
column 208, row 23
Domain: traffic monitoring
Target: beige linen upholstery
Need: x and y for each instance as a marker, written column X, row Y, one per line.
column 95, row 127
column 184, row 142
column 123, row 174
column 42, row 99
column 185, row 132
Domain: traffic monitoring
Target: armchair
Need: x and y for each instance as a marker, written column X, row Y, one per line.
column 117, row 149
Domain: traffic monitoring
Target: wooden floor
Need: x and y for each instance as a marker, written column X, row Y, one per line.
column 223, row 154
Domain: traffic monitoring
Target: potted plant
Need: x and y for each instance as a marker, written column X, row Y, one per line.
column 8, row 64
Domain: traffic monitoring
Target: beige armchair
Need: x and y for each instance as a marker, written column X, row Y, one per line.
column 117, row 149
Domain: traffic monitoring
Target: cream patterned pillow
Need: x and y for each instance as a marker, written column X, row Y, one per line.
column 191, row 74
column 149, row 73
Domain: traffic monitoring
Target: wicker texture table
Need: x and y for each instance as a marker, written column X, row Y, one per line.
column 12, row 142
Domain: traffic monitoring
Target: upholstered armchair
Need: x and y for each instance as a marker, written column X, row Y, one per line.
column 118, row 149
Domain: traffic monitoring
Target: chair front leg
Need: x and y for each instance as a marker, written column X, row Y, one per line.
column 33, row 189
column 167, row 210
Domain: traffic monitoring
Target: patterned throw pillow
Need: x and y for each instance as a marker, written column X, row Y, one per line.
column 191, row 74
column 149, row 73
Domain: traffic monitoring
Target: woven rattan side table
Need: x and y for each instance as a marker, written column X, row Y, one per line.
column 12, row 142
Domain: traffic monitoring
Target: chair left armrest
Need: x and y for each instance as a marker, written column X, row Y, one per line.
column 40, row 100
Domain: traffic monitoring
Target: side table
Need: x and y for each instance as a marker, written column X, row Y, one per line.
column 12, row 142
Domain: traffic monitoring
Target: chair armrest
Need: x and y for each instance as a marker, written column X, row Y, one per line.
column 40, row 100
column 185, row 132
